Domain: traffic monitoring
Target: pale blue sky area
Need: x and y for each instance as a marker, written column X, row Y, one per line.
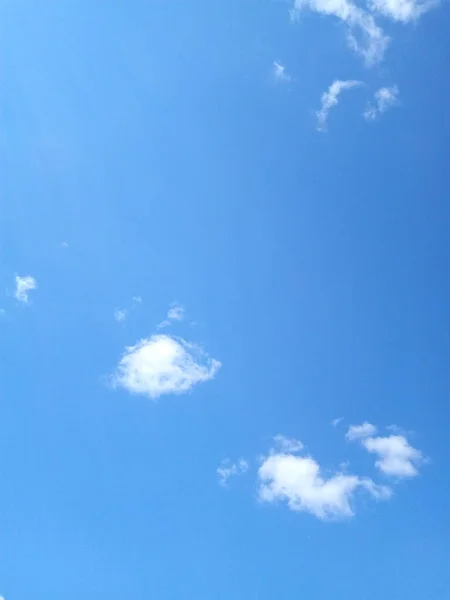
column 223, row 226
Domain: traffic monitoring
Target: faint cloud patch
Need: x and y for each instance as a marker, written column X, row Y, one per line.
column 24, row 285
column 176, row 313
column 384, row 99
column 286, row 444
column 279, row 72
column 228, row 469
column 335, row 422
column 120, row 314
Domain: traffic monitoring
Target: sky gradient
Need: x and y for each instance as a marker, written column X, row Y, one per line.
column 225, row 257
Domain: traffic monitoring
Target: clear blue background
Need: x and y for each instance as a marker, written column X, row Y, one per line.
column 151, row 137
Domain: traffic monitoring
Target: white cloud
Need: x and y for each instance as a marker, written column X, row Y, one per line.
column 120, row 314
column 364, row 36
column 162, row 365
column 299, row 482
column 357, row 432
column 287, row 444
column 279, row 72
column 23, row 286
column 402, row 10
column 228, row 469
column 335, row 422
column 396, row 456
column 384, row 98
column 330, row 99
column 137, row 300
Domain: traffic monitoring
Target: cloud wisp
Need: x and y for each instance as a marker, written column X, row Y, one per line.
column 384, row 99
column 363, row 34
column 330, row 98
column 403, row 11
column 162, row 365
column 395, row 455
column 279, row 72
column 176, row 313
column 228, row 469
column 24, row 285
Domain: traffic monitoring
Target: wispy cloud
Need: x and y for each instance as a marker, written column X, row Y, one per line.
column 402, row 10
column 176, row 312
column 24, row 285
column 384, row 98
column 364, row 36
column 228, row 469
column 335, row 422
column 299, row 481
column 330, row 98
column 279, row 72
column 286, row 444
column 396, row 456
column 162, row 365
column 120, row 314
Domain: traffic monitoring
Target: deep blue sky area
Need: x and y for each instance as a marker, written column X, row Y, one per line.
column 189, row 268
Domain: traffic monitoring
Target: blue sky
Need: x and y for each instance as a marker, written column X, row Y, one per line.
column 224, row 319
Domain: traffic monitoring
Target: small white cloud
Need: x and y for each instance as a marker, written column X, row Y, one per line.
column 335, row 422
column 279, row 72
column 120, row 314
column 137, row 300
column 162, row 365
column 228, row 469
column 396, row 456
column 384, row 98
column 299, row 482
column 23, row 286
column 402, row 10
column 357, row 432
column 364, row 36
column 330, row 99
column 287, row 444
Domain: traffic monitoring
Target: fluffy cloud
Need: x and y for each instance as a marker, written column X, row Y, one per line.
column 357, row 432
column 299, row 481
column 162, row 365
column 396, row 456
column 364, row 35
column 384, row 98
column 279, row 72
column 228, row 469
column 23, row 286
column 402, row 10
column 330, row 99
